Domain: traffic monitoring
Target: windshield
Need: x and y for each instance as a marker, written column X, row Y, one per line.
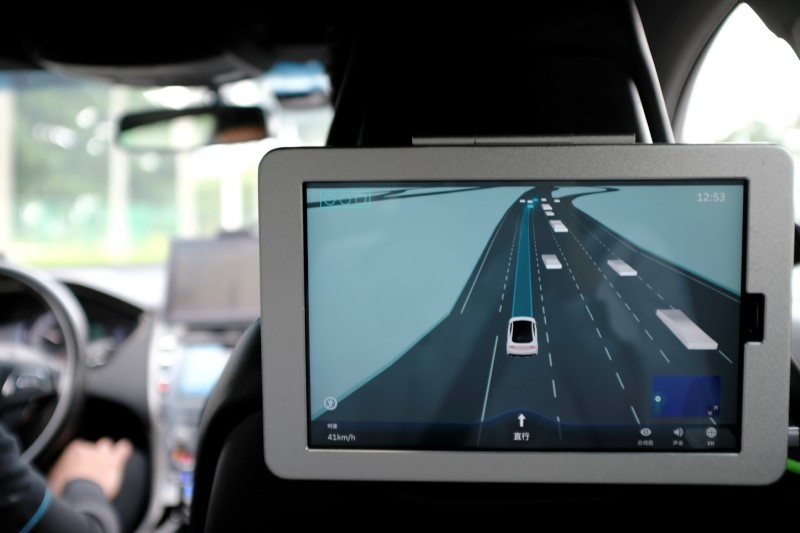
column 70, row 197
column 522, row 331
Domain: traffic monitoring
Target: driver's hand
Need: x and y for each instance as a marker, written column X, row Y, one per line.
column 102, row 462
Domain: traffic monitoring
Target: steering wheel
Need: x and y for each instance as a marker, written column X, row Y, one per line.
column 43, row 332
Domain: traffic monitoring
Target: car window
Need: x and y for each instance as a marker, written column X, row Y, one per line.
column 523, row 332
column 71, row 197
column 747, row 89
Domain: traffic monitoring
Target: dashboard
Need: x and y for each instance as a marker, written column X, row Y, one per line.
column 147, row 373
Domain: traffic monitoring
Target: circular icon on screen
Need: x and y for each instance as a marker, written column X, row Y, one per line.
column 330, row 403
column 711, row 432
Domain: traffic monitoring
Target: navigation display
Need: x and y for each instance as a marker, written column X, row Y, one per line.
column 525, row 315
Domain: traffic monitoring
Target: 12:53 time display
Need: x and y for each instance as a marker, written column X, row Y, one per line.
column 711, row 197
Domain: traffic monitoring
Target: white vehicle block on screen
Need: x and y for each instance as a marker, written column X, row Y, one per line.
column 687, row 331
column 522, row 338
column 621, row 267
column 558, row 226
column 551, row 262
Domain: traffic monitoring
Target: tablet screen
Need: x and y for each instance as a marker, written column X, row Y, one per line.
column 525, row 315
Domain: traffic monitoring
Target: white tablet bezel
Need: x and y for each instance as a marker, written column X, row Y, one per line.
column 764, row 401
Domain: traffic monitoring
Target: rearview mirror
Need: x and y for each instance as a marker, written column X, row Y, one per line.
column 187, row 129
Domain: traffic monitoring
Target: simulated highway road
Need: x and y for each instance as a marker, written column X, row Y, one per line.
column 603, row 350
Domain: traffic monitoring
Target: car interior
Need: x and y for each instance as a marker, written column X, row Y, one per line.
column 166, row 349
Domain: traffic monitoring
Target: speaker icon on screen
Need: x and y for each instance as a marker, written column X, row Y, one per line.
column 678, row 432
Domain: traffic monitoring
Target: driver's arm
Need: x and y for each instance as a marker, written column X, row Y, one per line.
column 27, row 504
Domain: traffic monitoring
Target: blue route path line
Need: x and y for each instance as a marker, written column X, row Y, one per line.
column 523, row 295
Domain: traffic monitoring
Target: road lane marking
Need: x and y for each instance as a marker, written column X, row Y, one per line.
column 577, row 286
column 554, row 388
column 607, row 352
column 649, row 286
column 725, row 356
column 504, row 286
column 635, row 416
column 659, row 296
column 618, row 295
column 506, row 278
column 503, row 296
column 598, row 332
column 488, row 384
column 544, row 311
column 620, row 381
column 612, row 285
column 545, row 319
column 664, row 355
column 541, row 296
column 550, row 359
column 558, row 420
column 590, row 313
column 547, row 336
column 496, row 232
column 582, row 298
column 500, row 308
column 648, row 334
column 628, row 306
column 637, row 318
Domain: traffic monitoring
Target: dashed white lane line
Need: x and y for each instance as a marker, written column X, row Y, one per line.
column 499, row 309
column 503, row 296
column 620, row 381
column 598, row 332
column 558, row 420
column 550, row 359
column 648, row 334
column 547, row 337
column 725, row 356
column 577, row 286
column 618, row 295
column 541, row 296
column 664, row 355
column 496, row 233
column 504, row 286
column 607, row 352
column 637, row 318
column 554, row 388
column 582, row 298
column 635, row 416
column 590, row 313
column 649, row 286
column 545, row 319
column 659, row 296
column 627, row 306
